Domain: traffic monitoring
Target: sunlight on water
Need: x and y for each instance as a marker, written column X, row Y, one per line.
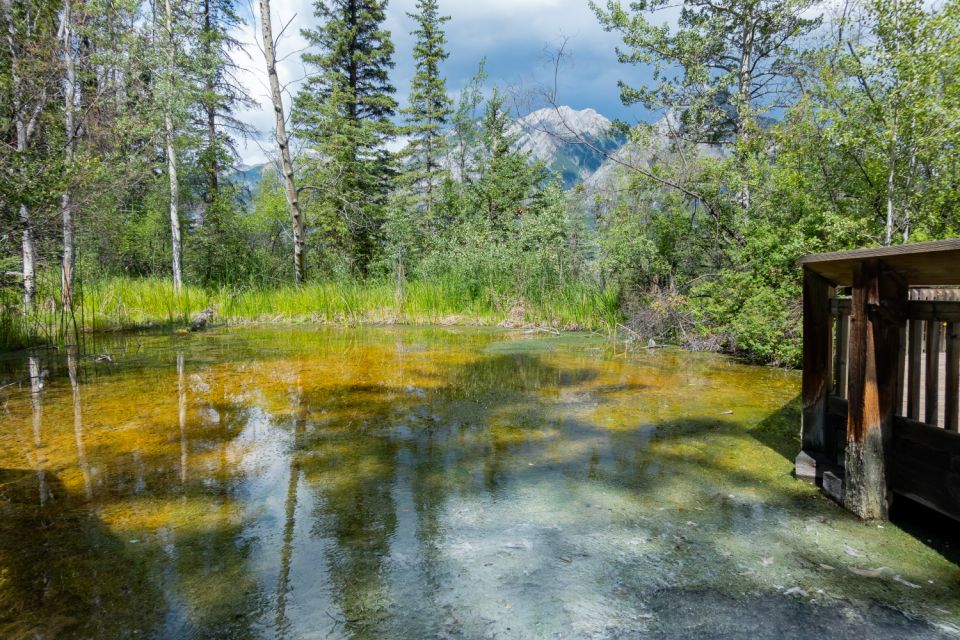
column 419, row 483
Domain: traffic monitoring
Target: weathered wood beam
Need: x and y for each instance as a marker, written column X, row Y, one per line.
column 947, row 311
column 877, row 314
column 913, row 374
column 951, row 420
column 926, row 465
column 817, row 355
column 840, row 355
column 932, row 408
column 901, row 370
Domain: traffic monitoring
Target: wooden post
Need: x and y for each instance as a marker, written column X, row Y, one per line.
column 817, row 356
column 952, row 390
column 931, row 411
column 913, row 373
column 901, row 371
column 840, row 357
column 878, row 312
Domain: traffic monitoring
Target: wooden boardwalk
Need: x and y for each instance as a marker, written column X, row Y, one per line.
column 881, row 377
column 941, row 395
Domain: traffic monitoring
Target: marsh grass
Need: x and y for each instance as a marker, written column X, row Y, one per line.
column 125, row 303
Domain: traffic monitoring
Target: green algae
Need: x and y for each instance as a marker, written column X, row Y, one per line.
column 429, row 482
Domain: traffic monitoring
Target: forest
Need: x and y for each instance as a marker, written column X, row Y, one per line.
column 783, row 127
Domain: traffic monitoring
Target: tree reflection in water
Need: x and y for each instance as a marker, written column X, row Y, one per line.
column 296, row 483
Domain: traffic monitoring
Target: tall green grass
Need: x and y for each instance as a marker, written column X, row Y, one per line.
column 125, row 303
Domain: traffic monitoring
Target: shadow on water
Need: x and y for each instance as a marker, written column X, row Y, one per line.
column 485, row 435
column 502, row 495
column 934, row 529
column 780, row 431
column 64, row 572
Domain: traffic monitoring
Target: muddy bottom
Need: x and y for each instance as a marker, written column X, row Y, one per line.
column 307, row 482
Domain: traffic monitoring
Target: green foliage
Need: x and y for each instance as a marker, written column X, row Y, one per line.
column 718, row 67
column 781, row 136
column 429, row 110
column 344, row 113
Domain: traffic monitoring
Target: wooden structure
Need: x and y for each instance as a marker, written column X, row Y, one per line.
column 881, row 376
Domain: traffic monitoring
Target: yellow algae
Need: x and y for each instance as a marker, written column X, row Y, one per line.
column 400, row 482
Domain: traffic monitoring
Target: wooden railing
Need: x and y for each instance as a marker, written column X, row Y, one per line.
column 928, row 378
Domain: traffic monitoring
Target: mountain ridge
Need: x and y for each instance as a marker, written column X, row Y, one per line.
column 573, row 143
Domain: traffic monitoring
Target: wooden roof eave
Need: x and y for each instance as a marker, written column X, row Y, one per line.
column 932, row 264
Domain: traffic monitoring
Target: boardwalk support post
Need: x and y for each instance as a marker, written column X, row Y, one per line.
column 877, row 314
column 886, row 421
column 817, row 356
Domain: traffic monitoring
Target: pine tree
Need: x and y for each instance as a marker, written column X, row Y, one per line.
column 220, row 92
column 430, row 106
column 506, row 179
column 344, row 113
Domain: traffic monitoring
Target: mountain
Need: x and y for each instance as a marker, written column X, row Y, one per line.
column 247, row 175
column 574, row 144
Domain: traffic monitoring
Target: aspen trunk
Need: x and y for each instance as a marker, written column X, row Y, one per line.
column 745, row 80
column 66, row 203
column 172, row 156
column 28, row 249
column 211, row 109
column 286, row 165
column 23, row 125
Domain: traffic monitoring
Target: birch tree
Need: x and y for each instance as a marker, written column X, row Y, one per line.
column 170, row 46
column 30, row 38
column 66, row 202
column 283, row 144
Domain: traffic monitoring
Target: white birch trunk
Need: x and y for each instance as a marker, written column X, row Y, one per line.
column 66, row 203
column 286, row 165
column 177, row 245
column 22, row 126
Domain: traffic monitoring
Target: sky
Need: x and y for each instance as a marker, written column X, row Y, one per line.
column 517, row 37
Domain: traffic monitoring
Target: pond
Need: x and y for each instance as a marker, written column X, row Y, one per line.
column 315, row 482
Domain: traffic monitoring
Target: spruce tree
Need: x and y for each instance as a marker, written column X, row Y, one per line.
column 505, row 177
column 220, row 93
column 430, row 107
column 344, row 114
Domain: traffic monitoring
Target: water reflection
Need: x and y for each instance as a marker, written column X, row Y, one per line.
column 416, row 483
column 282, row 624
column 72, row 357
column 36, row 410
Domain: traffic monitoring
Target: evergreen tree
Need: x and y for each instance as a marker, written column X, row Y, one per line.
column 220, row 92
column 430, row 106
column 344, row 113
column 505, row 178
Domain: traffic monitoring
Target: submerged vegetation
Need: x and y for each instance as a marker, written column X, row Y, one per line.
column 785, row 127
column 410, row 482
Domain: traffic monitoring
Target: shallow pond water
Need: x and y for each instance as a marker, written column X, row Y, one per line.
column 306, row 482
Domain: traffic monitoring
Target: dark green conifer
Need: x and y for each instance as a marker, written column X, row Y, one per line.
column 344, row 114
column 429, row 109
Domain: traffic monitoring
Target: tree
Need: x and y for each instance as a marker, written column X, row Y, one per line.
column 220, row 93
column 898, row 97
column 29, row 61
column 283, row 143
column 170, row 104
column 344, row 113
column 430, row 106
column 70, row 132
column 506, row 178
column 724, row 65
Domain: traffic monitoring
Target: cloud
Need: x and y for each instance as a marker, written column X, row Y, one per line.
column 515, row 36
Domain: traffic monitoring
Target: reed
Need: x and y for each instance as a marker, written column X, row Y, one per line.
column 127, row 303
